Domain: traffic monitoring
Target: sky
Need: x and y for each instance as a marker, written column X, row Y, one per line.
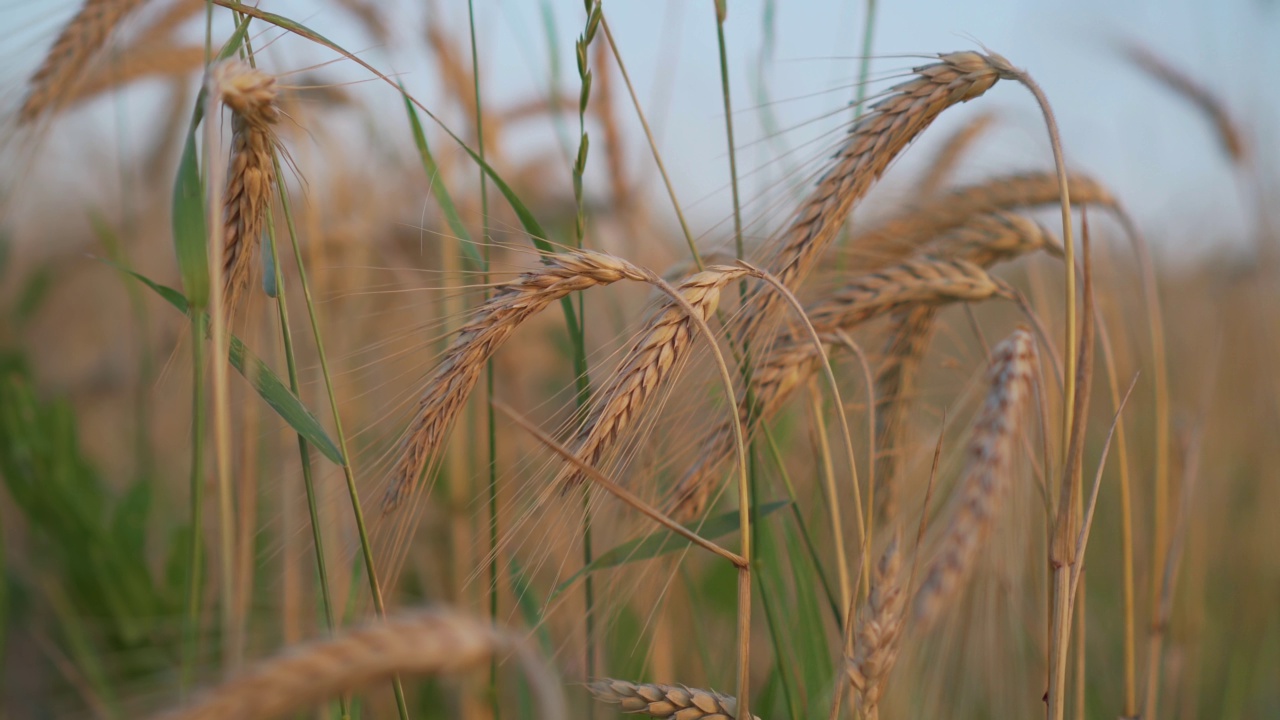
column 1152, row 148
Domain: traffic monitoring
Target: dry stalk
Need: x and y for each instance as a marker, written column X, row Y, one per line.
column 986, row 474
column 651, row 360
column 81, row 38
column 879, row 629
column 674, row 702
column 923, row 281
column 874, row 141
column 251, row 95
column 493, row 322
column 424, row 643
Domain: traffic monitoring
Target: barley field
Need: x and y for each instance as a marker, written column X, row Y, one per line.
column 576, row 359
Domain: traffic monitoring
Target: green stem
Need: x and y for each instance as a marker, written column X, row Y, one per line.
column 366, row 548
column 721, row 12
column 864, row 66
column 191, row 629
column 491, row 421
column 304, row 453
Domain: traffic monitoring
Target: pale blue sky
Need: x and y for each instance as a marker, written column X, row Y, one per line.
column 1159, row 155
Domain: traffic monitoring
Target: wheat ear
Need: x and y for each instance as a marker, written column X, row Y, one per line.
column 250, row 94
column 874, row 141
column 492, row 323
column 906, row 232
column 986, row 474
column 152, row 59
column 793, row 359
column 983, row 240
column 673, row 702
column 424, row 643
column 651, row 361
column 879, row 628
column 81, row 38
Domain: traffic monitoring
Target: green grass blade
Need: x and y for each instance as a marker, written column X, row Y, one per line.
column 188, row 211
column 438, row 188
column 189, row 225
column 264, row 380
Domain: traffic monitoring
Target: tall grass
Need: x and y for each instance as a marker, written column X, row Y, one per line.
column 688, row 492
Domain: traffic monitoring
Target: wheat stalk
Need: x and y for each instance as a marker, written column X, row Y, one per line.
column 674, row 702
column 921, row 281
column 493, row 322
column 874, row 141
column 879, row 629
column 80, row 39
column 651, row 361
column 986, row 474
column 424, row 643
column 251, row 95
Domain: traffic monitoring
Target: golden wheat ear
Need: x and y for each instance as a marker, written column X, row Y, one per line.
column 79, row 41
column 879, row 629
column 665, row 701
column 654, row 358
column 921, row 223
column 921, row 282
column 431, row 642
column 986, row 475
column 250, row 94
column 874, row 141
column 511, row 304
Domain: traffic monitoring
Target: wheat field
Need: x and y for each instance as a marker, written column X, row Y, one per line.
column 337, row 382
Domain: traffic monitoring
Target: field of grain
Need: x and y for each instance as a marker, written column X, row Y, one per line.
column 340, row 379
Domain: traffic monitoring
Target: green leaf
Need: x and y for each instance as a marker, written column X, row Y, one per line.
column 188, row 200
column 664, row 541
column 437, row 185
column 264, row 380
column 188, row 222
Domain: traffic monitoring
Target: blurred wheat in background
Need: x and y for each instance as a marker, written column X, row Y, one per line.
column 373, row 360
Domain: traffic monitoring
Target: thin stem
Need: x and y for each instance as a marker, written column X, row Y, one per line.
column 864, row 66
column 1130, row 707
column 490, row 420
column 721, row 13
column 615, row 489
column 221, row 390
column 653, row 146
column 195, row 556
column 304, row 451
column 366, row 548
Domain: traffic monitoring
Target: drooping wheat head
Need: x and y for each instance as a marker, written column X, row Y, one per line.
column 251, row 96
column 421, row 643
column 673, row 702
column 918, row 224
column 983, row 240
column 80, row 40
column 879, row 629
column 492, row 323
column 924, row 281
column 651, row 361
column 874, row 141
column 986, row 477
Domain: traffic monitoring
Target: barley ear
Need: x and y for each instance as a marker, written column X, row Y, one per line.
column 986, row 475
